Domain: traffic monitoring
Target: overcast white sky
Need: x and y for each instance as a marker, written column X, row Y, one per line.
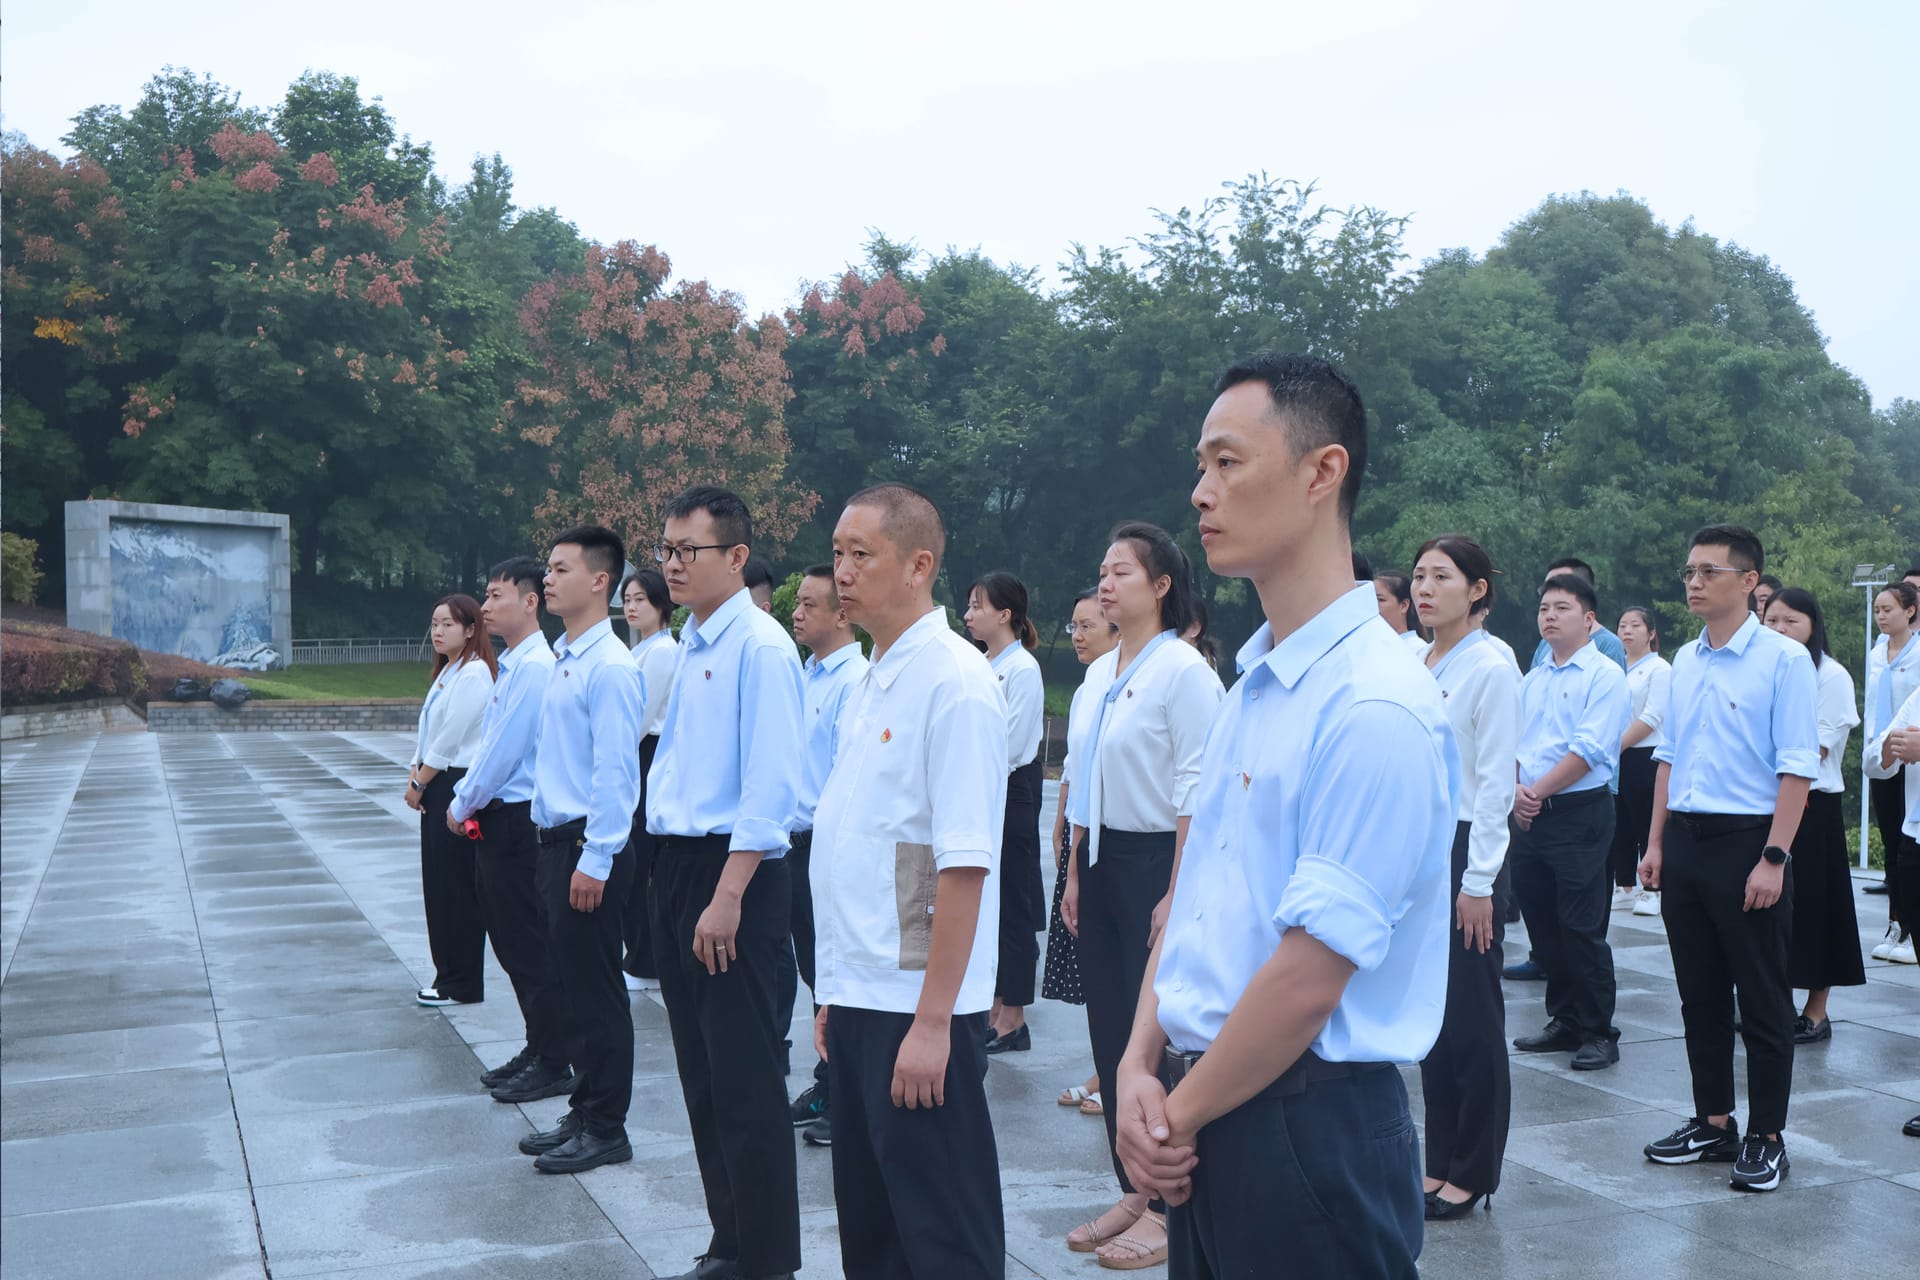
column 755, row 143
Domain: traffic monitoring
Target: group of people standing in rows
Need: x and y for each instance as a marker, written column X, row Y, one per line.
column 1266, row 896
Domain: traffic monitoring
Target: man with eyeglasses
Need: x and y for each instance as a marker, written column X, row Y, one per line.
column 721, row 799
column 1741, row 750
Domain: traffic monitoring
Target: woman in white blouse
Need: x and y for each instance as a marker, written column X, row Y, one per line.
column 463, row 672
column 1648, row 678
column 1893, row 673
column 997, row 617
column 648, row 609
column 1393, row 594
column 1151, row 700
column 1464, row 1078
column 1825, row 949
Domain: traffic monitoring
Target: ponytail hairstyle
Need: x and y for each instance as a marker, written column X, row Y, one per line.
column 1653, row 626
column 1469, row 557
column 1909, row 599
column 1004, row 591
column 1801, row 600
column 1402, row 588
column 1161, row 557
column 466, row 612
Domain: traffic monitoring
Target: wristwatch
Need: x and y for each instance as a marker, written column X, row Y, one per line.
column 1776, row 856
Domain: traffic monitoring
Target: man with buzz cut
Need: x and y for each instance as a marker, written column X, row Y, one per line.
column 1741, row 751
column 586, row 782
column 914, row 802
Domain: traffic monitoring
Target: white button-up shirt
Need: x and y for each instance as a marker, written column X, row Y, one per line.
column 1578, row 707
column 588, row 762
column 658, row 656
column 502, row 767
column 1837, row 717
column 1649, row 685
column 829, row 679
column 1481, row 690
column 1026, row 695
column 918, row 788
column 730, row 752
column 1326, row 802
column 449, row 730
column 1889, row 685
column 1905, row 716
column 1739, row 717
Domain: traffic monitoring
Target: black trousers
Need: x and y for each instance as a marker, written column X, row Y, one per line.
column 1320, row 1182
column 727, row 1049
column 1905, row 885
column 1632, row 815
column 636, row 923
column 1560, row 876
column 1023, row 898
column 797, row 960
column 585, row 946
column 1889, row 815
column 1464, row 1078
column 456, row 934
column 1718, row 949
column 918, row 1191
column 516, row 919
column 1117, row 898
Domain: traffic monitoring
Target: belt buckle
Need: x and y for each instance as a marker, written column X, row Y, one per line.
column 1178, row 1064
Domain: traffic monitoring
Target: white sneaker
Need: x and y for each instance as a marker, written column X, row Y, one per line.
column 1646, row 903
column 1884, row 950
column 1903, row 954
column 1622, row 897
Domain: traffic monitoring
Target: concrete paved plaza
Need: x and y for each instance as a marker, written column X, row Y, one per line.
column 213, row 1067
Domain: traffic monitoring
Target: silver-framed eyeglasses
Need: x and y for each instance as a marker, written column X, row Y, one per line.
column 1704, row 572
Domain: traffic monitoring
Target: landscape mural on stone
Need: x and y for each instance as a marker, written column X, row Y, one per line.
column 200, row 591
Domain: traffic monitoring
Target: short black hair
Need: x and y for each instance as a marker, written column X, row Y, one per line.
column 1742, row 544
column 909, row 518
column 600, row 548
column 1574, row 565
column 524, row 573
column 825, row 572
column 1470, row 558
column 758, row 573
column 1770, row 582
column 1911, row 573
column 1317, row 404
column 1574, row 585
column 1801, row 600
column 1362, row 568
column 1161, row 556
column 732, row 522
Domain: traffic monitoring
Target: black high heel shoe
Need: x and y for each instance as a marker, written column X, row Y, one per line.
column 1440, row 1209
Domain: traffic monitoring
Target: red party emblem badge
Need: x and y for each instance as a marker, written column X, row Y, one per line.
column 709, row 675
column 886, row 735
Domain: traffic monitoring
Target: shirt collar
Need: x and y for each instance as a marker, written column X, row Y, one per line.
column 513, row 653
column 1293, row 657
column 833, row 661
column 1736, row 646
column 701, row 635
column 1583, row 657
column 911, row 641
column 590, row 637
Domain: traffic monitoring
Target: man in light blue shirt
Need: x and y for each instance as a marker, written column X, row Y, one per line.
column 834, row 666
column 497, row 792
column 1573, row 709
column 1608, row 643
column 722, row 796
column 1741, row 749
column 586, row 782
column 1305, row 949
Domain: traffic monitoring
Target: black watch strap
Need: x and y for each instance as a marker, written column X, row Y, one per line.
column 1775, row 855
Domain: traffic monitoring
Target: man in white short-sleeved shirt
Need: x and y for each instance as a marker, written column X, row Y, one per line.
column 906, row 912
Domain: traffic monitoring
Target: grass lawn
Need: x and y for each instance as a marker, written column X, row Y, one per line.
column 347, row 680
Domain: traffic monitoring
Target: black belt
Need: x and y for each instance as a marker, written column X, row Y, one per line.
column 686, row 846
column 565, row 833
column 1712, row 826
column 1308, row 1069
column 1569, row 800
column 503, row 806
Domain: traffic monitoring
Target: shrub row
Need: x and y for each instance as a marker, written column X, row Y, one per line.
column 39, row 663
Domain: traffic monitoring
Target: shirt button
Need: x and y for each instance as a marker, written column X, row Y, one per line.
column 1255, row 695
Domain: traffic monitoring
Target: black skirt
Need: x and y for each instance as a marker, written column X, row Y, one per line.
column 1825, row 951
column 1060, row 980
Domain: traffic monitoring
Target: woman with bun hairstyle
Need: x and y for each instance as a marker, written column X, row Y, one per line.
column 997, row 617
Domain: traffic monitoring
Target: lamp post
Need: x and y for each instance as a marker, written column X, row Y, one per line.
column 1871, row 580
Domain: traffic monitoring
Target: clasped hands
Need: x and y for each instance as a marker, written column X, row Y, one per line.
column 1526, row 806
column 1157, row 1153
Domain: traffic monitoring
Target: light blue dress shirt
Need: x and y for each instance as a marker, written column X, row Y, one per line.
column 1608, row 643
column 509, row 731
column 731, row 751
column 828, row 681
column 1582, row 708
column 588, row 763
column 1326, row 802
column 1739, row 717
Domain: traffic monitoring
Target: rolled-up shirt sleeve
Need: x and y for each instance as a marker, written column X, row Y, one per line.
column 1191, row 703
column 1596, row 738
column 1359, row 857
column 614, row 706
column 773, row 750
column 1796, row 717
column 967, row 765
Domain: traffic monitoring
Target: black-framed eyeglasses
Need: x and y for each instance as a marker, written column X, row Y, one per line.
column 1704, row 572
column 687, row 553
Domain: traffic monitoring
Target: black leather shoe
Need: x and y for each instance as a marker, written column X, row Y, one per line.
column 1878, row 887
column 1440, row 1209
column 1555, row 1037
column 710, row 1268
column 507, row 1070
column 1596, row 1055
column 1807, row 1031
column 583, row 1151
column 1911, row 1128
column 1018, row 1040
column 548, row 1139
column 541, row 1079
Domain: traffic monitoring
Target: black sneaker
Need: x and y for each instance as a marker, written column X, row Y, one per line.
column 507, row 1070
column 808, row 1107
column 540, row 1079
column 1762, row 1163
column 819, row 1133
column 1697, row 1140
